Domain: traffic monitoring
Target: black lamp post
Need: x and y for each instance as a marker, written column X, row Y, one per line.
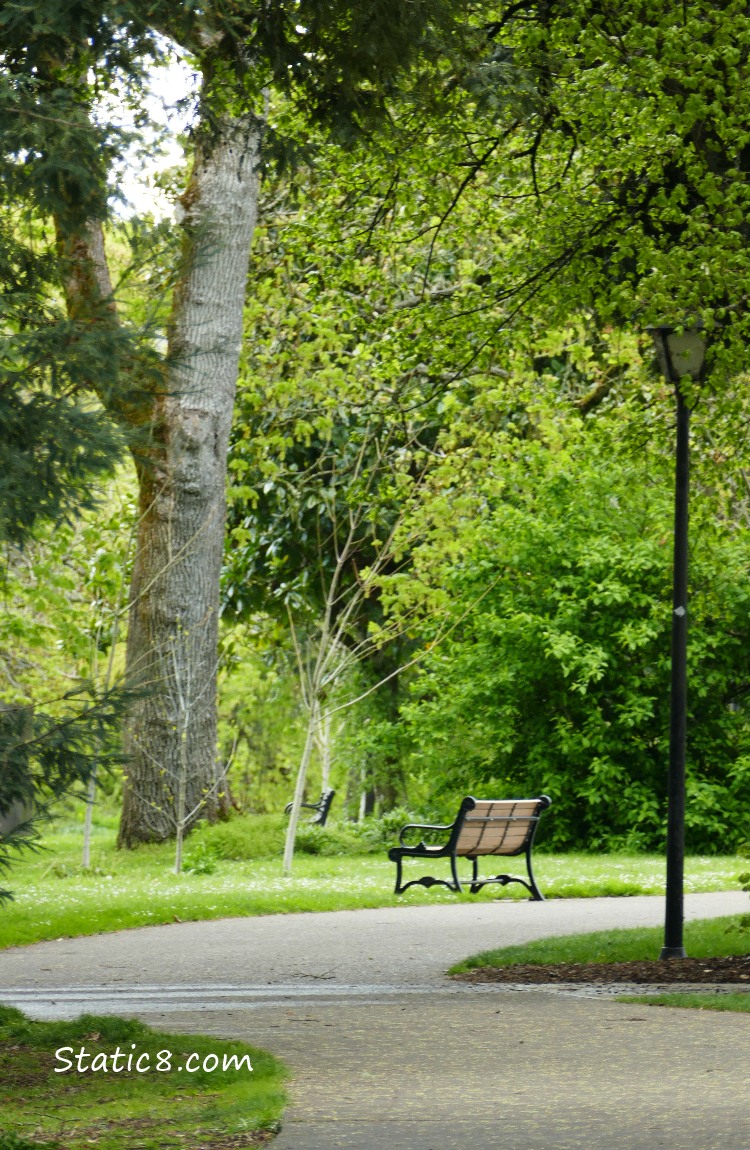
column 680, row 354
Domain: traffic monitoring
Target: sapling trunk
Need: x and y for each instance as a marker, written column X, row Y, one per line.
column 324, row 748
column 299, row 790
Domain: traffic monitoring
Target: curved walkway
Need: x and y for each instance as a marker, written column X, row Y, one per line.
column 386, row 1052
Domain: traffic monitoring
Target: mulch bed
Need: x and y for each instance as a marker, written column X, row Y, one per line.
column 733, row 968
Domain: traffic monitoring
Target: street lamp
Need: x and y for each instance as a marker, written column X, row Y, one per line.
column 680, row 354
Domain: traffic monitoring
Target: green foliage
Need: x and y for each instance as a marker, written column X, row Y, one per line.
column 65, row 599
column 54, row 450
column 56, row 443
column 45, row 757
column 602, row 155
column 57, row 439
column 562, row 684
column 640, row 125
column 202, row 859
column 332, row 442
column 373, row 742
column 262, row 836
column 343, row 62
column 383, row 831
column 744, row 880
column 331, row 841
column 371, row 836
column 11, row 1141
column 555, row 678
column 240, row 837
column 344, row 383
column 591, row 164
column 260, row 722
column 60, row 621
column 580, row 174
column 305, row 473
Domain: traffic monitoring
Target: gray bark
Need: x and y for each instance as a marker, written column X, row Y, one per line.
column 323, row 741
column 313, row 719
column 170, row 737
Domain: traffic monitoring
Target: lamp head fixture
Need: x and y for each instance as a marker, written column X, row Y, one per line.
column 679, row 353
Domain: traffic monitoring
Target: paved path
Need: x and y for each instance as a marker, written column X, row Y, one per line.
column 385, row 1053
column 403, row 946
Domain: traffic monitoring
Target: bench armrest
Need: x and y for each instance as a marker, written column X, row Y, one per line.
column 422, row 827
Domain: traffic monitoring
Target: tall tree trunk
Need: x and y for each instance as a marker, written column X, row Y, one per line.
column 175, row 587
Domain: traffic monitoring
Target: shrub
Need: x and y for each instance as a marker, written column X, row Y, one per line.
column 382, row 832
column 262, row 836
column 201, row 859
column 243, row 837
column 332, row 840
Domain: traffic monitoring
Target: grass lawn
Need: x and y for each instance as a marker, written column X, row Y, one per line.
column 704, row 938
column 45, row 1103
column 736, row 1003
column 55, row 898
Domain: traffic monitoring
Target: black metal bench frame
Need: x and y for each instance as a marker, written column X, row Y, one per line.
column 322, row 807
column 451, row 850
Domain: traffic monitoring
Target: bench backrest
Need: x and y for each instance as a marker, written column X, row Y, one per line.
column 323, row 806
column 497, row 826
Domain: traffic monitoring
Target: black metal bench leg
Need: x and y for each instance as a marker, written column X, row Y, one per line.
column 536, row 894
column 398, row 877
column 454, row 871
column 474, row 876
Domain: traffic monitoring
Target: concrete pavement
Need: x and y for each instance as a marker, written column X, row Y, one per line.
column 505, row 1071
column 385, row 1052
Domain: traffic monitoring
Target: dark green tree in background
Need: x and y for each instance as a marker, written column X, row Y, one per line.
column 56, row 441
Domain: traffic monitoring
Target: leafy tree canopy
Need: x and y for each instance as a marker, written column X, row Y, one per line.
column 625, row 173
column 556, row 565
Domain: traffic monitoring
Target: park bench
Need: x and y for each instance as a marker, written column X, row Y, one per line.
column 482, row 827
column 321, row 808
